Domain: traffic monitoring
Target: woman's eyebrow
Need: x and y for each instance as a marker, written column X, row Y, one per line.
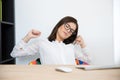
column 70, row 27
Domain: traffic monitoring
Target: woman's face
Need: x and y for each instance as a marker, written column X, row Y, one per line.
column 66, row 30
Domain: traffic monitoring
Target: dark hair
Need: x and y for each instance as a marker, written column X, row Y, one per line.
column 66, row 19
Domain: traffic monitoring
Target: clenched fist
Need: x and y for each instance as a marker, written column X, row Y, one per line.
column 79, row 40
column 32, row 34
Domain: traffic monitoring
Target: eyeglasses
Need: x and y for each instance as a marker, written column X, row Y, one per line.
column 69, row 29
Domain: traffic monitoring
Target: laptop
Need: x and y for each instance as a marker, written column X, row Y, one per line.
column 98, row 67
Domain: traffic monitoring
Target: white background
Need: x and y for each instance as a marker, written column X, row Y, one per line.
column 116, row 25
column 95, row 18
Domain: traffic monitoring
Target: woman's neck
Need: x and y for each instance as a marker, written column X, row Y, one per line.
column 58, row 39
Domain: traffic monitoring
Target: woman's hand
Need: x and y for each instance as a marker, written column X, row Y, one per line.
column 32, row 34
column 79, row 40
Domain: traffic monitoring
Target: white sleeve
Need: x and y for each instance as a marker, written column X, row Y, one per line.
column 23, row 49
column 82, row 54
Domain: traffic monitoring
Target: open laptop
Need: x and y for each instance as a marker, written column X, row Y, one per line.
column 97, row 67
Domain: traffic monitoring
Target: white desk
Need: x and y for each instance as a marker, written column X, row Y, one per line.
column 45, row 72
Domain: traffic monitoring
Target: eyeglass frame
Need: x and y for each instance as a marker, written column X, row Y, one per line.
column 68, row 27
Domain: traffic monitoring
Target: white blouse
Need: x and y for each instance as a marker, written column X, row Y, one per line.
column 52, row 52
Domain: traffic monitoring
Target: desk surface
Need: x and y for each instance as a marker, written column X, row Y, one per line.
column 45, row 72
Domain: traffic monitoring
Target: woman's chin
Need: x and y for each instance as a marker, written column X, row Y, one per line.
column 65, row 37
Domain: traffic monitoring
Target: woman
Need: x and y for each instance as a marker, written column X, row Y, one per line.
column 58, row 48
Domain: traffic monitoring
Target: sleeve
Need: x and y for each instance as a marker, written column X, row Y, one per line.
column 23, row 49
column 82, row 54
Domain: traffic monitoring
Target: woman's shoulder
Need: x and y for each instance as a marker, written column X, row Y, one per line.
column 42, row 40
column 70, row 45
column 39, row 40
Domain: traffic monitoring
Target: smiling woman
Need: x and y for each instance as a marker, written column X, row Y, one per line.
column 58, row 48
column 94, row 16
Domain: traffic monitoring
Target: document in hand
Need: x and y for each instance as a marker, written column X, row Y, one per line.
column 97, row 67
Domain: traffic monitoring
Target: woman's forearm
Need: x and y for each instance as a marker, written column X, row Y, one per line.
column 26, row 39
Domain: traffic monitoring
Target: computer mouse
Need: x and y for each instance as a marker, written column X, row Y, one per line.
column 64, row 69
